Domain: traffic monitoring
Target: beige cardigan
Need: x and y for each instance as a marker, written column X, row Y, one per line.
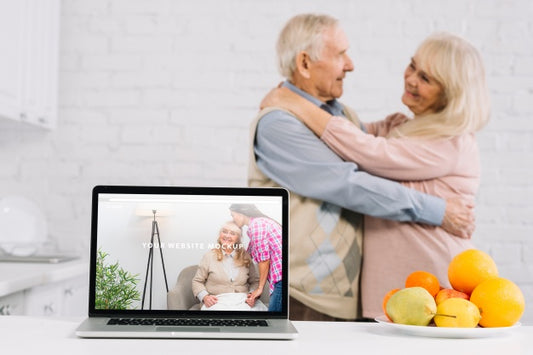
column 326, row 288
column 211, row 277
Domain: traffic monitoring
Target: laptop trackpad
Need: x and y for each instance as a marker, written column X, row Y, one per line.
column 187, row 329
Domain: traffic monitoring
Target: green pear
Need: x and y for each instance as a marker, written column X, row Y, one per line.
column 411, row 306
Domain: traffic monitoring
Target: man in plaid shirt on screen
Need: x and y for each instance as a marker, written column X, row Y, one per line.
column 265, row 249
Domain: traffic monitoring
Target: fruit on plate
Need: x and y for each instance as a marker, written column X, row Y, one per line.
column 458, row 313
column 470, row 268
column 411, row 306
column 500, row 301
column 423, row 279
column 447, row 293
column 478, row 296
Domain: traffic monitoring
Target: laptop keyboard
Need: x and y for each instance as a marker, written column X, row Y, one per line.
column 189, row 322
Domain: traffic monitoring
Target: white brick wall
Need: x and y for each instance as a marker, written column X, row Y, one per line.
column 161, row 92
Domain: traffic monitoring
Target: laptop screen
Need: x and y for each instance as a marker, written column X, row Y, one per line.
column 183, row 251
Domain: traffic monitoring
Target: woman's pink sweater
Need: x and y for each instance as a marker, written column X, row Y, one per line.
column 440, row 167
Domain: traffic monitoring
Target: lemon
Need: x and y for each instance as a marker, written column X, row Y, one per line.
column 457, row 313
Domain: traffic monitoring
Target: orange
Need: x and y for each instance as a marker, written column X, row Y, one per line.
column 423, row 279
column 386, row 299
column 500, row 302
column 470, row 268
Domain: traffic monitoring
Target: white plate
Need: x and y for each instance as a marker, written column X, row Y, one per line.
column 441, row 332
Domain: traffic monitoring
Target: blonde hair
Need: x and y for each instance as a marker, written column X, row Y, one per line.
column 241, row 258
column 457, row 66
column 301, row 33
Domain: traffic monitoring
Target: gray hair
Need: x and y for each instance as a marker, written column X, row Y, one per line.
column 301, row 33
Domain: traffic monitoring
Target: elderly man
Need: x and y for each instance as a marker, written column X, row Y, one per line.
column 327, row 193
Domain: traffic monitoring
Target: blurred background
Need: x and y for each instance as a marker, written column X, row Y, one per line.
column 161, row 92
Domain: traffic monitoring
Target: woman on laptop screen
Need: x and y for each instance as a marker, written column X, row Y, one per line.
column 226, row 274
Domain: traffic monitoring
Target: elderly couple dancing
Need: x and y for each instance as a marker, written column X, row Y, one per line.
column 370, row 202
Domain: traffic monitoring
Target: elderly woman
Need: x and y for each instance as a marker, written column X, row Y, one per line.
column 226, row 269
column 435, row 151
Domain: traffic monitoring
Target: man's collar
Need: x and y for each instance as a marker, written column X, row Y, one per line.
column 302, row 93
column 335, row 107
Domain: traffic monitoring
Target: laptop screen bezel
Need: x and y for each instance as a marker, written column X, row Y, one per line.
column 189, row 190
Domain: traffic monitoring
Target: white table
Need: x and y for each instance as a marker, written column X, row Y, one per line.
column 31, row 335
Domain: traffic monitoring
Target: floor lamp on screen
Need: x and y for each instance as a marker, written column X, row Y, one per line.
column 155, row 241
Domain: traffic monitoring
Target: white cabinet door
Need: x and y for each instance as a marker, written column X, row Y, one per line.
column 11, row 58
column 44, row 300
column 29, row 34
column 76, row 297
column 12, row 304
column 64, row 298
column 40, row 78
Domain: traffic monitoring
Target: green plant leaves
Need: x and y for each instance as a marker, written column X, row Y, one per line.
column 116, row 288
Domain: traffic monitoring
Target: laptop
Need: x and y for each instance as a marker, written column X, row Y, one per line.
column 147, row 243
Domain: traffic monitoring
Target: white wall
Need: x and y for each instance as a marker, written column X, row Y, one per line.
column 162, row 92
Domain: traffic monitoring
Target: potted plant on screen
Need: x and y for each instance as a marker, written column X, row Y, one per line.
column 115, row 288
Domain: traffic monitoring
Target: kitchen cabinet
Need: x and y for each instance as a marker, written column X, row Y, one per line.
column 12, row 304
column 65, row 298
column 29, row 43
column 39, row 289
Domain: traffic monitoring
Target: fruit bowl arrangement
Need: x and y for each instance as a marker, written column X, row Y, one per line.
column 479, row 298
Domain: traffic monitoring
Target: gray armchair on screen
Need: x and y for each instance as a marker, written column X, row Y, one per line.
column 181, row 296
